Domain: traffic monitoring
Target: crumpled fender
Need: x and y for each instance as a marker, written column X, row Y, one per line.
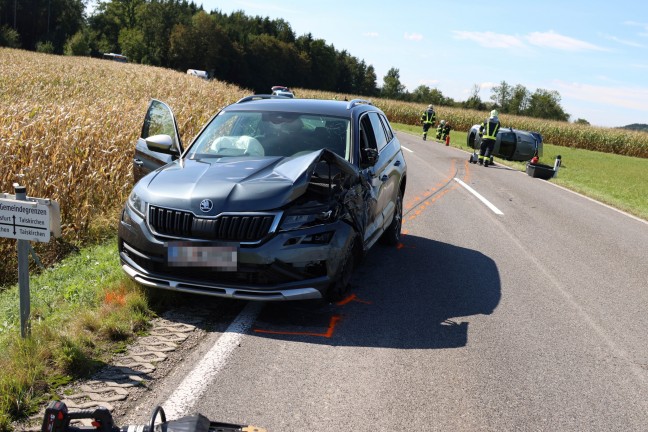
column 354, row 192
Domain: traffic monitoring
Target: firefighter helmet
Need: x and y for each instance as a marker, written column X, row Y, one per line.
column 494, row 113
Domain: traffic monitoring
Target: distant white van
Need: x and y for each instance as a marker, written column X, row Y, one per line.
column 116, row 57
column 198, row 73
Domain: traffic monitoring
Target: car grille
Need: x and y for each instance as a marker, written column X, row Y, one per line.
column 250, row 274
column 229, row 227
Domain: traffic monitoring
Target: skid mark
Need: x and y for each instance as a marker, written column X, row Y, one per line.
column 418, row 204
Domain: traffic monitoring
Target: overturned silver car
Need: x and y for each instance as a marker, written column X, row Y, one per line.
column 275, row 199
column 511, row 144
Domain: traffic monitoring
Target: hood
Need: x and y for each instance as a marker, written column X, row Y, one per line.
column 235, row 184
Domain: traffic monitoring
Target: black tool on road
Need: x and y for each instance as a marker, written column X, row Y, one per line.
column 57, row 418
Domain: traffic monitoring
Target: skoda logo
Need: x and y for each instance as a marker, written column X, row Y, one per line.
column 206, row 205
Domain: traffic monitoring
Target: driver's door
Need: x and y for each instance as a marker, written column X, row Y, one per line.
column 159, row 120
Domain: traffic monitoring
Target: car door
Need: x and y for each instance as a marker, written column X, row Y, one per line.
column 159, row 120
column 383, row 182
column 388, row 168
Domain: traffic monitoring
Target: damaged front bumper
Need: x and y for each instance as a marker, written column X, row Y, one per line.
column 291, row 265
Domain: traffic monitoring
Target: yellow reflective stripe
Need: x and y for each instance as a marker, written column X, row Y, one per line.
column 488, row 134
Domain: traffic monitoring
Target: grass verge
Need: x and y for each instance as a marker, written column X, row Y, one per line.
column 619, row 181
column 83, row 310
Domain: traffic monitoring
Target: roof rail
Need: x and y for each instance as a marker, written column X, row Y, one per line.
column 355, row 102
column 260, row 96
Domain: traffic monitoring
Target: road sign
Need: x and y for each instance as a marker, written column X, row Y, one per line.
column 24, row 220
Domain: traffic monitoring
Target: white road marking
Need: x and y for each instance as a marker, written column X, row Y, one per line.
column 481, row 198
column 194, row 385
column 405, row 148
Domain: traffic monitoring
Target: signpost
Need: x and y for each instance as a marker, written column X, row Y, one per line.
column 27, row 219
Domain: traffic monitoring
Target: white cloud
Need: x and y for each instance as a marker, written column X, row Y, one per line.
column 548, row 39
column 490, row 39
column 371, row 34
column 413, row 36
column 637, row 24
column 429, row 83
column 486, row 85
column 623, row 41
column 627, row 97
column 555, row 40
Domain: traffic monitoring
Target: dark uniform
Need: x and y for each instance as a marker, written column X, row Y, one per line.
column 488, row 131
column 428, row 118
column 442, row 130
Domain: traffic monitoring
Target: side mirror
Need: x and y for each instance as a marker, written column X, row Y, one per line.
column 369, row 157
column 161, row 144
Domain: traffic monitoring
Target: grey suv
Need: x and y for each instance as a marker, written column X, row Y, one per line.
column 275, row 199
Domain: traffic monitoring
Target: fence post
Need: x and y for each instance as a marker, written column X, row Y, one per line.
column 23, row 272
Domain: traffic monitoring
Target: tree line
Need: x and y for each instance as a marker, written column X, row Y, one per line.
column 252, row 52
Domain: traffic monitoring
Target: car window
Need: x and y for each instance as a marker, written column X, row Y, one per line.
column 378, row 130
column 254, row 133
column 367, row 138
column 387, row 127
column 159, row 121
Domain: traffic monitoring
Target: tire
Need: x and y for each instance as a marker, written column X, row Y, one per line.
column 392, row 234
column 340, row 287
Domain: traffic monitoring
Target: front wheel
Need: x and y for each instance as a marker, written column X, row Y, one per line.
column 339, row 289
column 392, row 234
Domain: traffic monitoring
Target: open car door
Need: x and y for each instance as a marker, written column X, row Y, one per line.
column 159, row 142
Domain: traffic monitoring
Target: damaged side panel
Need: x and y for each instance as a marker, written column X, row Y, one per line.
column 336, row 187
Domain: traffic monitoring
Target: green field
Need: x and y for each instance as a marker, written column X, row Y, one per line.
column 619, row 181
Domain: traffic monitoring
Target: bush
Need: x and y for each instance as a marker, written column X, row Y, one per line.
column 9, row 37
column 77, row 45
column 45, row 47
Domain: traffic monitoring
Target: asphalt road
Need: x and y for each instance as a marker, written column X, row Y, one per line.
column 534, row 319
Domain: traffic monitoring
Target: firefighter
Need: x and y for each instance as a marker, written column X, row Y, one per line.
column 445, row 131
column 428, row 118
column 488, row 132
column 439, row 130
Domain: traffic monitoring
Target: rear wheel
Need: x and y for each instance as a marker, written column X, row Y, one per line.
column 392, row 234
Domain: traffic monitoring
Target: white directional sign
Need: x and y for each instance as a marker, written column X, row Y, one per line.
column 24, row 220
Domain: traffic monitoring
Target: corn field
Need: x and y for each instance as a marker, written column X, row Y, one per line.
column 68, row 127
column 618, row 141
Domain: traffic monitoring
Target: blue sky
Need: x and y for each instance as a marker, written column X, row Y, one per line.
column 594, row 53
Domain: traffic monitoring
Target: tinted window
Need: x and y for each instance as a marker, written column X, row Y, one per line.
column 379, row 131
column 388, row 129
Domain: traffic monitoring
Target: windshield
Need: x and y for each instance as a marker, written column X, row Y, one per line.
column 249, row 133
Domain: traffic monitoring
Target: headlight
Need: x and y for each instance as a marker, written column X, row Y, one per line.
column 297, row 221
column 136, row 203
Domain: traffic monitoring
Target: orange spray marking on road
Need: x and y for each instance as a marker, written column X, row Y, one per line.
column 351, row 298
column 328, row 334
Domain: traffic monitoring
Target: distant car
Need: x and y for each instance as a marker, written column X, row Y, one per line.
column 275, row 199
column 283, row 93
column 511, row 144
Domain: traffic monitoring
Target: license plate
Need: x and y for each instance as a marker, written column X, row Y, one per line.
column 216, row 256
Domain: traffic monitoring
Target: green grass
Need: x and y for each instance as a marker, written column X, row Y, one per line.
column 82, row 310
column 619, row 181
